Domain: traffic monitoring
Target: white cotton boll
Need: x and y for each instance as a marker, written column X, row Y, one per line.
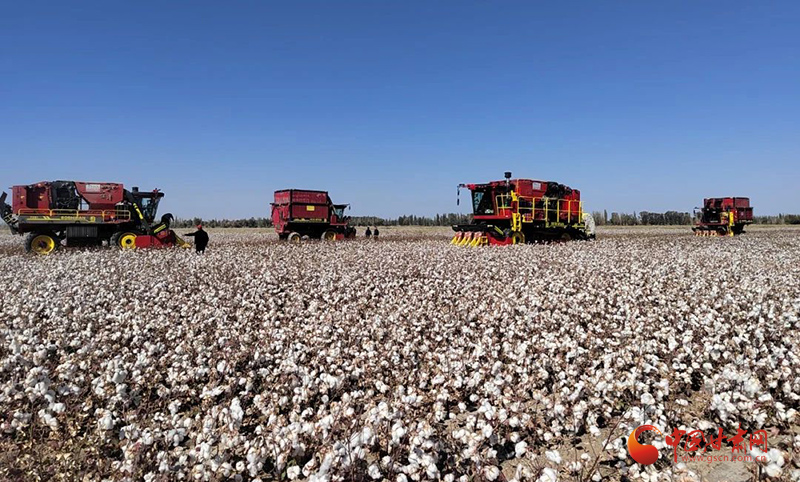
column 119, row 376
column 236, row 413
column 487, row 431
column 106, row 421
column 647, row 399
column 704, row 425
column 398, row 432
column 774, row 470
column 553, row 456
column 367, row 436
column 48, row 420
column 520, row 448
column 548, row 475
column 775, row 456
column 308, row 468
column 374, row 472
column 491, row 472
column 401, row 478
column 432, row 471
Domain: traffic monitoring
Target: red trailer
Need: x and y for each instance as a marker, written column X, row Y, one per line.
column 86, row 214
column 298, row 213
column 517, row 211
column 724, row 216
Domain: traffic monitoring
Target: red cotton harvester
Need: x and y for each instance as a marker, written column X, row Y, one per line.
column 298, row 213
column 86, row 214
column 723, row 216
column 516, row 211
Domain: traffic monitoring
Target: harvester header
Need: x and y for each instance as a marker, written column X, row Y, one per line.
column 514, row 211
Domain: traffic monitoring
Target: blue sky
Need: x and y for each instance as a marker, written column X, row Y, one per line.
column 388, row 105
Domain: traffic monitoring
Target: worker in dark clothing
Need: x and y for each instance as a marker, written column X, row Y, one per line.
column 200, row 239
column 376, row 232
column 368, row 233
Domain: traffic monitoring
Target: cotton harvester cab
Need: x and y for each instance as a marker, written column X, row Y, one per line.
column 86, row 214
column 723, row 216
column 517, row 211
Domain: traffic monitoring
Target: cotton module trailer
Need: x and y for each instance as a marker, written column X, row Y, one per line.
column 79, row 213
column 299, row 213
column 515, row 211
column 723, row 216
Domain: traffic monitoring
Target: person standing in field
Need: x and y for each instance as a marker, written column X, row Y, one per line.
column 368, row 233
column 200, row 239
column 376, row 232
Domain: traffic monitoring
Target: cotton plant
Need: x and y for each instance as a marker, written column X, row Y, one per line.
column 406, row 359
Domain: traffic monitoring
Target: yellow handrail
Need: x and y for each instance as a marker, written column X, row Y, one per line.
column 527, row 213
column 121, row 214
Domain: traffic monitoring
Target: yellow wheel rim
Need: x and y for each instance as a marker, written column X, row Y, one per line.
column 518, row 238
column 294, row 238
column 127, row 241
column 43, row 244
column 329, row 236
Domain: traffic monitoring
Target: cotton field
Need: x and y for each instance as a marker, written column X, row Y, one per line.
column 401, row 359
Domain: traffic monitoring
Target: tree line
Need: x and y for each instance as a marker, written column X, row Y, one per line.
column 643, row 218
column 601, row 218
column 674, row 218
column 223, row 223
column 779, row 219
column 446, row 219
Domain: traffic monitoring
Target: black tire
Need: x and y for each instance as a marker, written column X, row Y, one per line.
column 294, row 237
column 43, row 242
column 329, row 235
